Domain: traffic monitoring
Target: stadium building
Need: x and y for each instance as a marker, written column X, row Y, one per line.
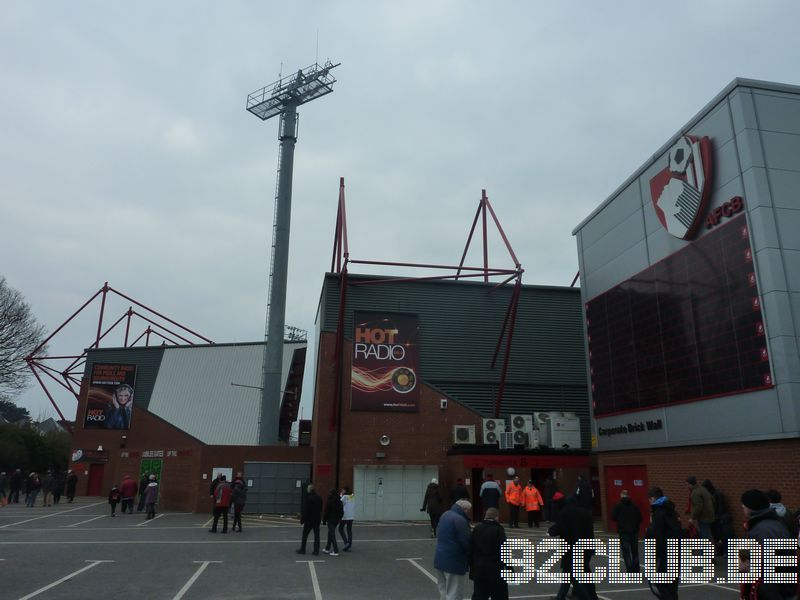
column 410, row 387
column 690, row 280
column 185, row 414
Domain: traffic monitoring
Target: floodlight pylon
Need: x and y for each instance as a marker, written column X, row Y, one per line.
column 282, row 98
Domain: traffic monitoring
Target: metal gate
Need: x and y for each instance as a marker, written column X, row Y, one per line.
column 275, row 487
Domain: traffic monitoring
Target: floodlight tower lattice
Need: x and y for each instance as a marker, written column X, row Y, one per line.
column 282, row 98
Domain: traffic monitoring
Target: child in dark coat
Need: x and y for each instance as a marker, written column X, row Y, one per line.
column 114, row 496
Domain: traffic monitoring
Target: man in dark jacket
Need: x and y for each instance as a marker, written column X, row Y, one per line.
column 72, row 483
column 334, row 511
column 14, row 486
column 583, row 493
column 432, row 503
column 702, row 507
column 451, row 560
column 574, row 523
column 222, row 504
column 628, row 518
column 484, row 561
column 490, row 493
column 459, row 491
column 664, row 525
column 310, row 517
column 143, row 483
column 764, row 524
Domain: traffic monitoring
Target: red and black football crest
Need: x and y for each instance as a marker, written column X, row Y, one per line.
column 680, row 192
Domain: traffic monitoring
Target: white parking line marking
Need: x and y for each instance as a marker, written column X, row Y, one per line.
column 203, row 565
column 86, row 521
column 413, row 561
column 92, row 564
column 314, row 581
column 145, row 522
column 50, row 515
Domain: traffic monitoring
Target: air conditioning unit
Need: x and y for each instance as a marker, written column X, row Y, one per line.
column 522, row 428
column 463, row 434
column 564, row 431
column 506, row 440
column 540, row 420
column 492, row 428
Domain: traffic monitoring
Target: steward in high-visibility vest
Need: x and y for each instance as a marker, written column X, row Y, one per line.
column 533, row 504
column 514, row 499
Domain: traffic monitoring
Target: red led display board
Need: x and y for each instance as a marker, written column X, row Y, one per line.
column 689, row 327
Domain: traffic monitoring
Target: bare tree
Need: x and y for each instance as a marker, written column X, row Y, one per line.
column 20, row 334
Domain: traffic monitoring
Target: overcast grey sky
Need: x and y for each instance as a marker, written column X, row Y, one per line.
column 127, row 156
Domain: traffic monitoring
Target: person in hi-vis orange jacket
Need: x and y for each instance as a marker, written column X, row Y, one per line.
column 514, row 499
column 533, row 504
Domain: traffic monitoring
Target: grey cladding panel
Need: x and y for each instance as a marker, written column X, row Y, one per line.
column 785, row 186
column 625, row 235
column 625, row 204
column 146, row 359
column 781, row 150
column 789, row 227
column 778, row 114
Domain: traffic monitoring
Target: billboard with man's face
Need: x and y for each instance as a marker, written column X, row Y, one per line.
column 110, row 401
column 385, row 369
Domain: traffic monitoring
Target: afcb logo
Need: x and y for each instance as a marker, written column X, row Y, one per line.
column 680, row 192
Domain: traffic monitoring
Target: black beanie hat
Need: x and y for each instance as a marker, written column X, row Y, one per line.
column 755, row 500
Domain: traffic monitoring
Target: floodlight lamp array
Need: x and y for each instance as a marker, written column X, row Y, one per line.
column 305, row 85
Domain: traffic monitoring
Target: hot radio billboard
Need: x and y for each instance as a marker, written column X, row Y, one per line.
column 110, row 401
column 384, row 375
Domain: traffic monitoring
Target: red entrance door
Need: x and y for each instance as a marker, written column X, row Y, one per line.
column 94, row 485
column 634, row 479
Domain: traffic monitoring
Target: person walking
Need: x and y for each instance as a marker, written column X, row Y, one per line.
column 628, row 518
column 584, row 494
column 334, row 510
column 490, row 493
column 349, row 514
column 485, row 562
column 451, row 560
column 573, row 523
column 222, row 504
column 128, row 489
column 34, row 486
column 59, row 480
column 72, row 483
column 239, row 499
column 701, row 508
column 763, row 523
column 14, row 486
column 3, row 483
column 47, row 489
column 114, row 496
column 532, row 500
column 310, row 517
column 143, row 483
column 459, row 491
column 432, row 503
column 514, row 500
column 151, row 497
column 664, row 525
column 722, row 527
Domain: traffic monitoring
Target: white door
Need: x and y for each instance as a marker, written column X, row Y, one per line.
column 391, row 493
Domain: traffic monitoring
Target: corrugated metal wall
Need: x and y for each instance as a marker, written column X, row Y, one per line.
column 459, row 327
column 147, row 360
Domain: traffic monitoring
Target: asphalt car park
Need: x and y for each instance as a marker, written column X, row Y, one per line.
column 77, row 551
